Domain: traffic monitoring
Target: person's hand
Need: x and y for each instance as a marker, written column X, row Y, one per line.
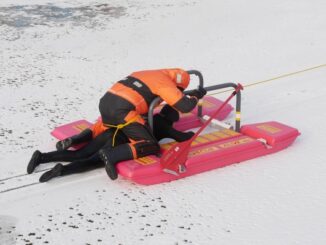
column 199, row 93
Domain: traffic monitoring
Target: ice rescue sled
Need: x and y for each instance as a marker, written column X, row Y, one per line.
column 210, row 150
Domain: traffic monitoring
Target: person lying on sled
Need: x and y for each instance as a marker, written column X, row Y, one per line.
column 87, row 157
column 125, row 132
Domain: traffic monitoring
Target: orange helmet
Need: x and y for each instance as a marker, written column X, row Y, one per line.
column 180, row 77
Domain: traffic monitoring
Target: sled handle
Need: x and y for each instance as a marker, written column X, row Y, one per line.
column 199, row 75
column 238, row 101
column 201, row 85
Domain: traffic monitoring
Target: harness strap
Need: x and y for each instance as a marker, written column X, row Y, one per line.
column 120, row 126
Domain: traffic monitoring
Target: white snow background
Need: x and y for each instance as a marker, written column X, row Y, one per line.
column 57, row 58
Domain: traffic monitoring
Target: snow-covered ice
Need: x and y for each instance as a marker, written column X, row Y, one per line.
column 57, row 58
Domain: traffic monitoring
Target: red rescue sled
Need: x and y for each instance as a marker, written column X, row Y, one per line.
column 210, row 150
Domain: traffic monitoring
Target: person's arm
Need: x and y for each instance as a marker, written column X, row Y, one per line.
column 199, row 93
column 186, row 104
column 196, row 95
column 163, row 125
column 175, row 98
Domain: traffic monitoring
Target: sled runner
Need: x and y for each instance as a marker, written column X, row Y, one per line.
column 210, row 150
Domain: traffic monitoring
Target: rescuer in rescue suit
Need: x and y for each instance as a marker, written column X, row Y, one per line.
column 126, row 101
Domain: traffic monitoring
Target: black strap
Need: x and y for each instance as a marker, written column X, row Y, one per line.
column 140, row 88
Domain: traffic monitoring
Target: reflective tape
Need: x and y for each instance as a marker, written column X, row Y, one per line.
column 238, row 116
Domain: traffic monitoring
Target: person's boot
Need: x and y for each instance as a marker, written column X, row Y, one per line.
column 112, row 156
column 64, row 144
column 34, row 162
column 109, row 165
column 84, row 136
column 54, row 172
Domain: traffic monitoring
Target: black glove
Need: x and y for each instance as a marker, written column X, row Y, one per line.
column 180, row 136
column 200, row 92
column 170, row 114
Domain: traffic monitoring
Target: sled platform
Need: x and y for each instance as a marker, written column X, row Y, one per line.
column 214, row 150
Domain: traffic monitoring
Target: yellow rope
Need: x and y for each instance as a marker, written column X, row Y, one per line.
column 275, row 78
column 120, row 126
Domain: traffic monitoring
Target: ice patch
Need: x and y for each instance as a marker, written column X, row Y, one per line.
column 22, row 16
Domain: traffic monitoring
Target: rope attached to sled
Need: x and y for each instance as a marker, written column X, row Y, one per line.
column 275, row 78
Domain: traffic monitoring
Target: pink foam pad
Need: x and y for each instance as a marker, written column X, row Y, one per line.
column 70, row 129
column 214, row 150
column 273, row 132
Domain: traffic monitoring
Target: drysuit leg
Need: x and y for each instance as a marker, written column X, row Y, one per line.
column 77, row 166
column 93, row 161
column 85, row 136
column 89, row 149
column 142, row 143
column 82, row 165
column 67, row 155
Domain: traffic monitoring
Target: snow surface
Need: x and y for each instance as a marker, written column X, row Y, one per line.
column 57, row 58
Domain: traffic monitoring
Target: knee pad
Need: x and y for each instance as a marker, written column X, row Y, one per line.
column 146, row 148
